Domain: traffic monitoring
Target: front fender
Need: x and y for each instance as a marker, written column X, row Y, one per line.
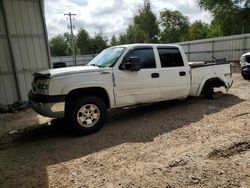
column 79, row 85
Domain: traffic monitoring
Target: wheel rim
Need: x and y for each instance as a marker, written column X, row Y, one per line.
column 88, row 115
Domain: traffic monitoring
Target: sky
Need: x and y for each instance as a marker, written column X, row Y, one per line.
column 110, row 17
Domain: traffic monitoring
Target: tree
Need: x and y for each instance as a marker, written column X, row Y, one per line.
column 122, row 38
column 198, row 30
column 174, row 26
column 59, row 46
column 98, row 43
column 114, row 41
column 83, row 42
column 146, row 23
column 67, row 37
column 134, row 34
column 232, row 16
column 215, row 30
column 144, row 27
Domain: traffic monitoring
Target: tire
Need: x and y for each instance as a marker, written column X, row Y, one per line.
column 208, row 92
column 86, row 115
column 246, row 77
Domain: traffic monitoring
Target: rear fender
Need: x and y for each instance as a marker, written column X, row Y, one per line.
column 215, row 81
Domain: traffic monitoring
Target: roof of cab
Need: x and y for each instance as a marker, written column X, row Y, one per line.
column 146, row 44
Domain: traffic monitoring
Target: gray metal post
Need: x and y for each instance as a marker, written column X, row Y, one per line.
column 41, row 5
column 213, row 47
column 244, row 44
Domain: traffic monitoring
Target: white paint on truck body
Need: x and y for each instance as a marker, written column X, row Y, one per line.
column 151, row 84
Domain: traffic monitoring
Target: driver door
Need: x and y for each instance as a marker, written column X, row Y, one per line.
column 137, row 87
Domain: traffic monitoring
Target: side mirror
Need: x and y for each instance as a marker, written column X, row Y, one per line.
column 133, row 64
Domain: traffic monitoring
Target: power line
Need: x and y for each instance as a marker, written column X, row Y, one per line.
column 72, row 35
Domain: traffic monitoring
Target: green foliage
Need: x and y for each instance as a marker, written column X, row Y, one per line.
column 215, row 30
column 83, row 42
column 88, row 45
column 134, row 34
column 198, row 30
column 59, row 46
column 229, row 17
column 232, row 16
column 145, row 25
column 174, row 26
column 114, row 41
column 97, row 44
column 67, row 37
column 144, row 28
column 122, row 38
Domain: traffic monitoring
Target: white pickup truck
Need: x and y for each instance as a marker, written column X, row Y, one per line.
column 245, row 65
column 122, row 76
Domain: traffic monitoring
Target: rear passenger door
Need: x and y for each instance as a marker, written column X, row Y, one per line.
column 174, row 75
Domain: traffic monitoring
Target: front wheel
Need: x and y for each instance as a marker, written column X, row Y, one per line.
column 86, row 115
column 246, row 77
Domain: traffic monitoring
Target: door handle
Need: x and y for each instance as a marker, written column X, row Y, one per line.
column 155, row 75
column 182, row 73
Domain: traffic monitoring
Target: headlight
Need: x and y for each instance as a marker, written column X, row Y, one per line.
column 242, row 59
column 43, row 86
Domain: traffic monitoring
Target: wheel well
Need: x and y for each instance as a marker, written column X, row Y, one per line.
column 213, row 82
column 92, row 91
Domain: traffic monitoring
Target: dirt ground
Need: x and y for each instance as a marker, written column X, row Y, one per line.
column 192, row 143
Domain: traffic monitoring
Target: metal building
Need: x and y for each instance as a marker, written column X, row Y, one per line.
column 230, row 47
column 23, row 47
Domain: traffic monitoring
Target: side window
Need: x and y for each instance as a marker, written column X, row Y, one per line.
column 170, row 57
column 147, row 58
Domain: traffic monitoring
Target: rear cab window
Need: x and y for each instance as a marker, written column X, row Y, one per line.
column 170, row 57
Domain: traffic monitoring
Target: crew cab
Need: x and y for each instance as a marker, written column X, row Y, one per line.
column 122, row 76
column 245, row 65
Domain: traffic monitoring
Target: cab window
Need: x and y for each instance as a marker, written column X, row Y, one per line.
column 170, row 57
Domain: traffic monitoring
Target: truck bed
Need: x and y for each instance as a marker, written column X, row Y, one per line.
column 201, row 71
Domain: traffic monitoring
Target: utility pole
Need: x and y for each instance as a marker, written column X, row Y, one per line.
column 72, row 35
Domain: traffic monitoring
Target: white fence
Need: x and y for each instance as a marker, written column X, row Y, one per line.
column 69, row 60
column 231, row 48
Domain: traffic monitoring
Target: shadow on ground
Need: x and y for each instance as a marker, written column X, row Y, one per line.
column 24, row 160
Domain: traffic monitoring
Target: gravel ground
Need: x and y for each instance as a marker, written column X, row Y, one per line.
column 192, row 143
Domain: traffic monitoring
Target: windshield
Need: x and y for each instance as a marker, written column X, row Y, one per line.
column 107, row 57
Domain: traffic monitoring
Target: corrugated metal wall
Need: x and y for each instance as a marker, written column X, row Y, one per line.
column 231, row 47
column 8, row 86
column 26, row 48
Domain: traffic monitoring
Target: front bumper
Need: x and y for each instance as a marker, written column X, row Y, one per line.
column 48, row 106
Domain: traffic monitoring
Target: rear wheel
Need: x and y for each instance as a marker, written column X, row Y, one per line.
column 208, row 91
column 86, row 115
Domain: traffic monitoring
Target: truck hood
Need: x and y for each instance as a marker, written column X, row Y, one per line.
column 246, row 54
column 71, row 70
